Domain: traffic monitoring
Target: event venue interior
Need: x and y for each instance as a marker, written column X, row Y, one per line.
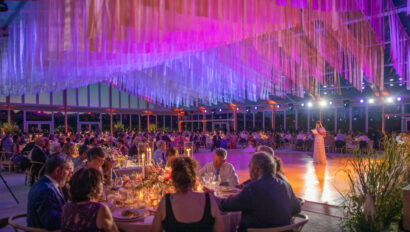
column 204, row 115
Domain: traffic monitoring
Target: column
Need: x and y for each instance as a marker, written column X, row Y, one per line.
column 130, row 121
column 284, row 120
column 65, row 111
column 335, row 120
column 171, row 123
column 350, row 118
column 163, row 122
column 8, row 109
column 244, row 120
column 308, row 120
column 273, row 119
column 148, row 122
column 263, row 120
column 235, row 120
column 296, row 120
column 366, row 124
column 78, row 122
column 253, row 120
column 403, row 119
column 52, row 123
column 110, row 101
column 139, row 122
column 156, row 122
column 203, row 121
column 383, row 118
column 25, row 122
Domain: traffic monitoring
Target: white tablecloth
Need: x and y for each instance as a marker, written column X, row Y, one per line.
column 230, row 220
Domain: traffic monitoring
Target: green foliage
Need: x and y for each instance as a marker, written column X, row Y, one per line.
column 10, row 128
column 118, row 127
column 374, row 199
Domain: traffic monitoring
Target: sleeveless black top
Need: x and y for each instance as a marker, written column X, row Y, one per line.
column 170, row 224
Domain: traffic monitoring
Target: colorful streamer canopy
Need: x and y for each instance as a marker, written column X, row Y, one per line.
column 183, row 52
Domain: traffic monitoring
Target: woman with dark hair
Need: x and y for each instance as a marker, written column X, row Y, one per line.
column 171, row 154
column 84, row 213
column 16, row 156
column 186, row 210
column 319, row 153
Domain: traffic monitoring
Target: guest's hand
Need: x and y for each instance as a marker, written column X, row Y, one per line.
column 207, row 190
column 239, row 186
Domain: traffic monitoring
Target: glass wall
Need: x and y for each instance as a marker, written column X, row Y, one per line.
column 174, row 123
column 343, row 119
column 302, row 119
column 249, row 121
column 358, row 119
column 328, row 119
column 279, row 120
column 375, row 118
column 258, row 121
column 268, row 120
column 240, row 121
column 290, row 120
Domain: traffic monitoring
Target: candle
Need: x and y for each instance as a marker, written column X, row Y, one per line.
column 188, row 151
column 143, row 166
column 149, row 155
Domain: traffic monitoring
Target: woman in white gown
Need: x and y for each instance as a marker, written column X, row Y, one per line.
column 319, row 153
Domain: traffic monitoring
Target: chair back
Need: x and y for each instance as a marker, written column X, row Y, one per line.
column 296, row 227
column 300, row 142
column 18, row 227
column 363, row 144
column 339, row 143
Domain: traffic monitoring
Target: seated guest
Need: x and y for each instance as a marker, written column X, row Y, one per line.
column 69, row 149
column 84, row 213
column 340, row 136
column 220, row 167
column 61, row 140
column 133, row 151
column 186, row 210
column 300, row 136
column 45, row 201
column 265, row 202
column 171, row 154
column 79, row 161
column 55, row 147
column 159, row 155
column 96, row 159
column 37, row 155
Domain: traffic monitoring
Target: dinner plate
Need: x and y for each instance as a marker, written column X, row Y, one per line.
column 126, row 215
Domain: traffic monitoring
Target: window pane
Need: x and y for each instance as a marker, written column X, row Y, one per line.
column 94, row 97
column 83, row 96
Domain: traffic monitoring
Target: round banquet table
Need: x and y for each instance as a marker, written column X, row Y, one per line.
column 230, row 220
column 128, row 170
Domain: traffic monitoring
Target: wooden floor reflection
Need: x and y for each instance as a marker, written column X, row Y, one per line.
column 318, row 183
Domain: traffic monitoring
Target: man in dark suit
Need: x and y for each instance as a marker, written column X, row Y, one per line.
column 45, row 200
column 37, row 155
column 266, row 201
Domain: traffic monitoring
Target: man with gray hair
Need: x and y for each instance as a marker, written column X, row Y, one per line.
column 159, row 156
column 219, row 167
column 265, row 202
column 45, row 200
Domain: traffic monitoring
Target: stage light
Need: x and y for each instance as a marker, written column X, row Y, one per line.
column 325, row 93
column 330, row 103
column 391, row 85
column 237, row 108
column 322, row 103
column 89, row 113
column 256, row 108
column 392, row 79
column 346, row 103
column 361, row 100
column 389, row 100
column 290, row 107
column 206, row 111
column 248, row 109
column 371, row 100
column 303, row 104
column 277, row 106
column 398, row 98
column 310, row 104
column 220, row 110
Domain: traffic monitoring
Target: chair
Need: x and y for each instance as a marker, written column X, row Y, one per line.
column 7, row 163
column 28, row 174
column 296, row 227
column 363, row 146
column 18, row 227
column 300, row 144
column 339, row 146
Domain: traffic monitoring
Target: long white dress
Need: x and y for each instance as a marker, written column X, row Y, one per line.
column 319, row 152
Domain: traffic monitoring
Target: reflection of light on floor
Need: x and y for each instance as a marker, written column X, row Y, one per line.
column 319, row 183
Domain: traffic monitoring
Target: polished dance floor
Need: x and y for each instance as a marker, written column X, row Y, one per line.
column 317, row 183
